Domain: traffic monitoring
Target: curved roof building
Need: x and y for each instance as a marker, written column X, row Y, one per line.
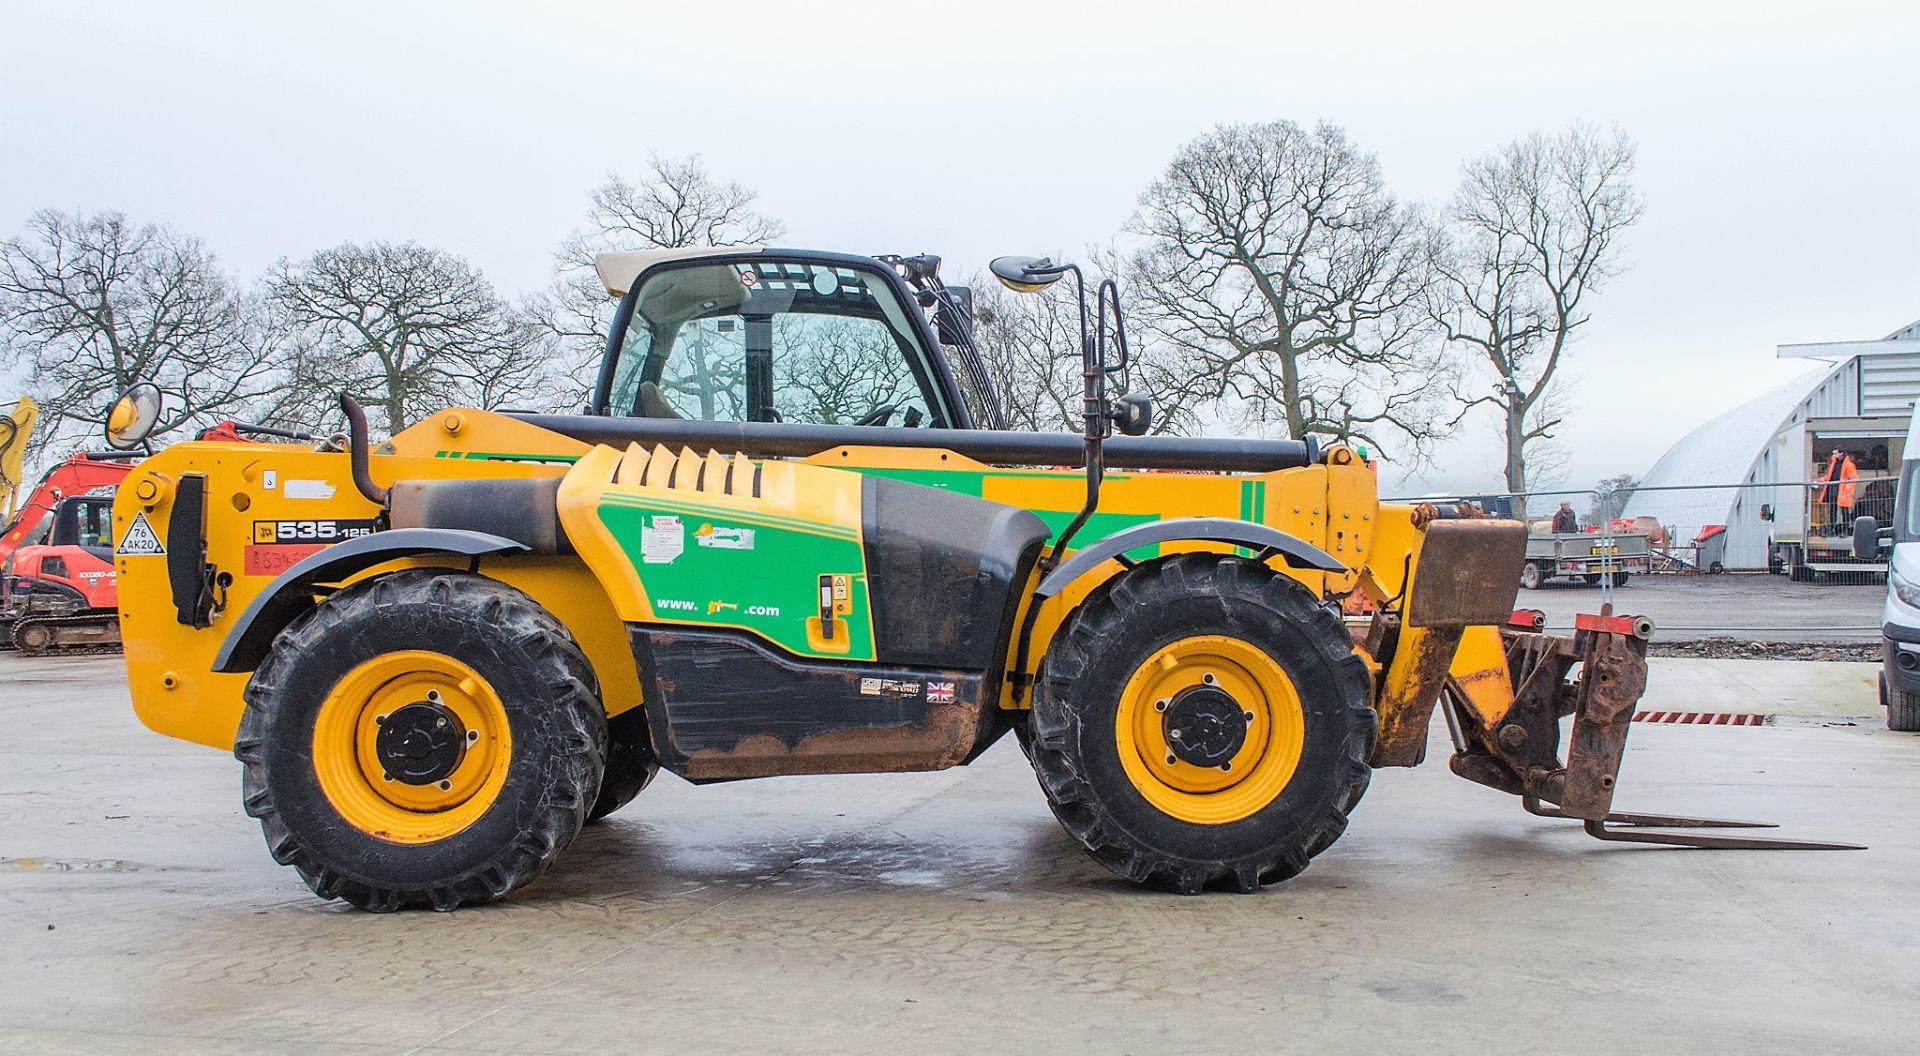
column 1861, row 393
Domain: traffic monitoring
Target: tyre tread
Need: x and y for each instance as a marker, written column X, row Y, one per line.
column 572, row 693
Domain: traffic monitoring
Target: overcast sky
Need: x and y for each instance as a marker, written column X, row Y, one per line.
column 1780, row 143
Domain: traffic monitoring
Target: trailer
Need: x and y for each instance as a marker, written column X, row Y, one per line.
column 1593, row 556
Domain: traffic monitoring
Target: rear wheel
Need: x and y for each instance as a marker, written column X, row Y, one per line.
column 423, row 739
column 631, row 764
column 1202, row 721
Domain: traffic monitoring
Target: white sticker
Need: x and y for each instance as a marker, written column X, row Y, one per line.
column 270, row 479
column 724, row 538
column 309, row 489
column 663, row 539
column 140, row 539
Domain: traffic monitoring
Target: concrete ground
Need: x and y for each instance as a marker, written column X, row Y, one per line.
column 948, row 913
column 1756, row 607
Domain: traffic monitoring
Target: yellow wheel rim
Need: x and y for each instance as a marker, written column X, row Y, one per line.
column 1243, row 781
column 455, row 728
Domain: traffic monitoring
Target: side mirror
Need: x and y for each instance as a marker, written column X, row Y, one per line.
column 1866, row 539
column 132, row 418
column 1026, row 274
column 1132, row 414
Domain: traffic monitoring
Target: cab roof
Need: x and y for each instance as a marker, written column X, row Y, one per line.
column 618, row 270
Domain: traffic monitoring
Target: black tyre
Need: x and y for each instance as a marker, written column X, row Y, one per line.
column 1251, row 689
column 1531, row 577
column 1903, row 711
column 631, row 764
column 428, row 738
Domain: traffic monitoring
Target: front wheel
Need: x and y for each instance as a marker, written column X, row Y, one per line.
column 427, row 738
column 1531, row 577
column 1200, row 721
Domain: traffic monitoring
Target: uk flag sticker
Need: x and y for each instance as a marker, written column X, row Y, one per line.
column 939, row 692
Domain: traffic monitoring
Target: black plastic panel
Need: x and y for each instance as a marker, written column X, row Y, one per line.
column 722, row 706
column 943, row 570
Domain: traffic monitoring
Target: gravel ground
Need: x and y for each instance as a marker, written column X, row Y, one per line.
column 1741, row 608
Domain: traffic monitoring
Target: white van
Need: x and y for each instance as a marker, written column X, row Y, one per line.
column 1900, row 618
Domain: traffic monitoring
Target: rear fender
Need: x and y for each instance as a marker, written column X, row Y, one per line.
column 292, row 592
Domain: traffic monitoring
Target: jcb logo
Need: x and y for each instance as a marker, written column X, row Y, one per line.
column 309, row 531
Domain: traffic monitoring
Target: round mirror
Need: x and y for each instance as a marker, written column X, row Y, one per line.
column 1025, row 274
column 133, row 416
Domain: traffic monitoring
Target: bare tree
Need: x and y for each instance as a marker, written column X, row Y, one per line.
column 1030, row 343
column 91, row 304
column 1532, row 230
column 1276, row 257
column 676, row 204
column 406, row 329
column 1610, row 498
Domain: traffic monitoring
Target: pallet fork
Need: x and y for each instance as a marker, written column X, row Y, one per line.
column 1596, row 676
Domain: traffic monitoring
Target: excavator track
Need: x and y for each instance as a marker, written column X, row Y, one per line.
column 82, row 635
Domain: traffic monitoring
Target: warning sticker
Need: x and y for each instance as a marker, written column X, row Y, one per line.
column 140, row 539
column 663, row 539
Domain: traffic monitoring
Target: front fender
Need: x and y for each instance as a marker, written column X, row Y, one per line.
column 291, row 593
column 1268, row 541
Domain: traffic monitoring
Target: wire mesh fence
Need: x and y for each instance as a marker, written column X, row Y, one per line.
column 1761, row 562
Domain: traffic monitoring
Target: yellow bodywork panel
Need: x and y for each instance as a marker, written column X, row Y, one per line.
column 268, row 506
column 271, row 504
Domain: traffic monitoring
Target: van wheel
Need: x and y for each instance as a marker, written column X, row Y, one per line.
column 427, row 738
column 1903, row 711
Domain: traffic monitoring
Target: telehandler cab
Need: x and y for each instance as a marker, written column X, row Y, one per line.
column 791, row 535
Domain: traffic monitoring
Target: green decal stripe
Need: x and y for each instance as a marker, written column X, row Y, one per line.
column 506, row 456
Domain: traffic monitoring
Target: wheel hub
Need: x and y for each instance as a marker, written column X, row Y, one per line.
column 1205, row 726
column 421, row 743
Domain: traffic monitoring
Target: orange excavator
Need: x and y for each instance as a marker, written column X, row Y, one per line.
column 57, row 588
column 58, row 591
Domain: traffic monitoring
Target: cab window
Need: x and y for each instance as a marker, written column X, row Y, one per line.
column 774, row 341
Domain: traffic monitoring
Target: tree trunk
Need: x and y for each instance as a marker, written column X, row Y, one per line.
column 1517, row 456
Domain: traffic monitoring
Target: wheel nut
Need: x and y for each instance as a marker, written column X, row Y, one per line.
column 380, row 720
column 1226, row 766
column 1172, row 759
column 1247, row 715
column 472, row 736
column 1160, row 705
column 1207, row 678
column 1175, row 734
column 386, row 777
column 446, row 786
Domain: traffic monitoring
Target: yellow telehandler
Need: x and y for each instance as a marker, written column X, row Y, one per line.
column 791, row 535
